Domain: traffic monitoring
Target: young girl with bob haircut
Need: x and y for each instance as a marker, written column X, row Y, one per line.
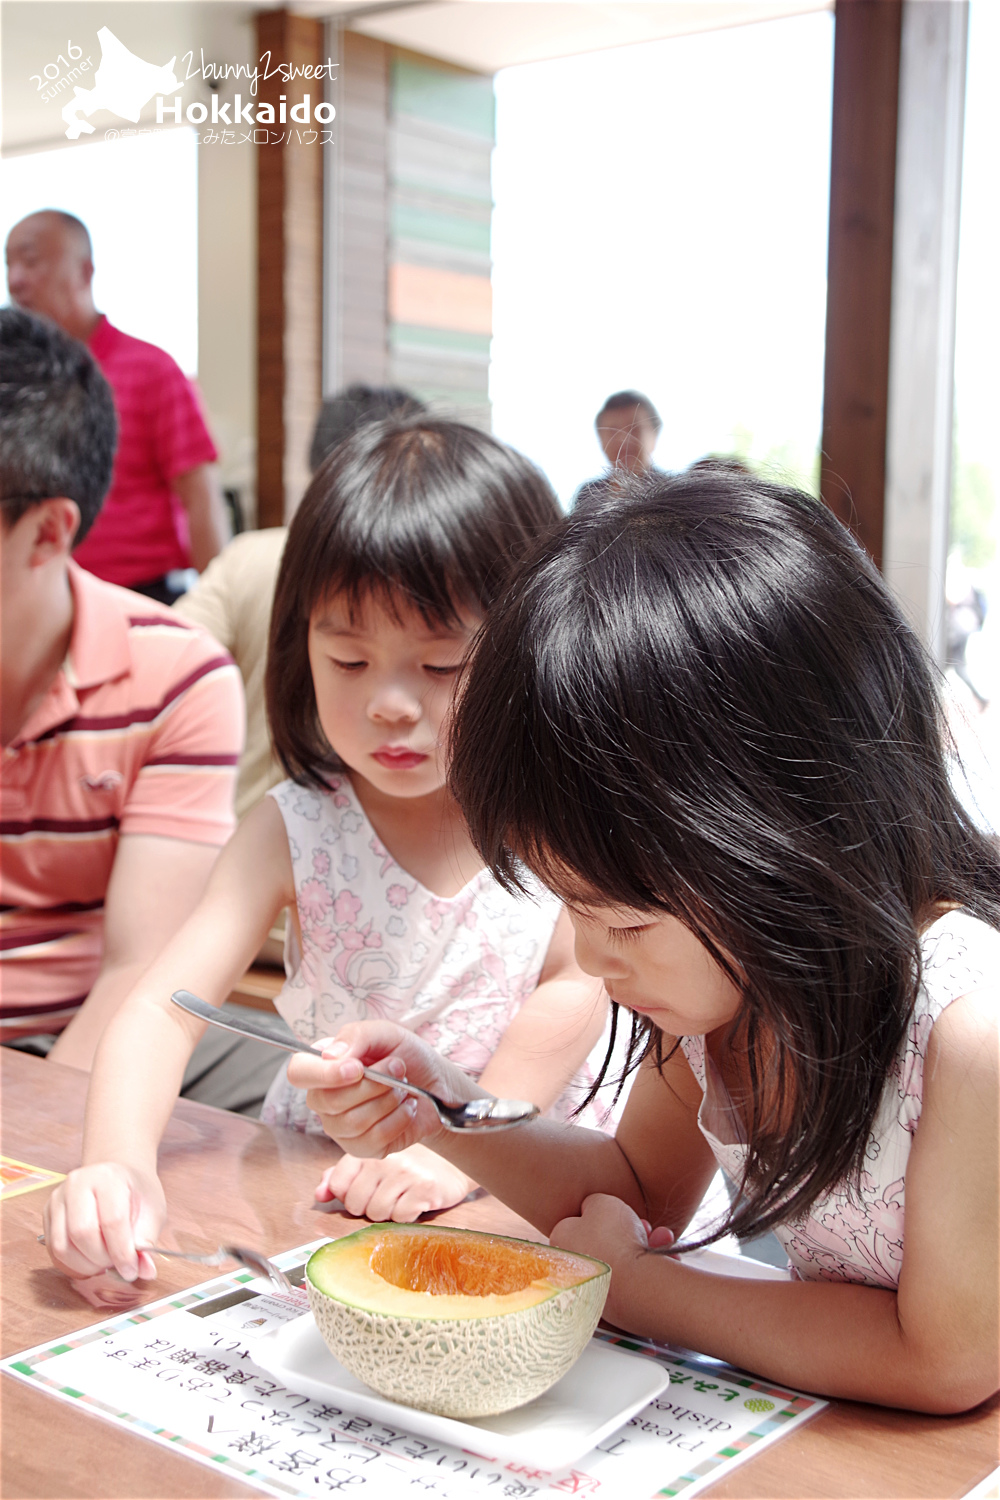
column 700, row 718
column 404, row 537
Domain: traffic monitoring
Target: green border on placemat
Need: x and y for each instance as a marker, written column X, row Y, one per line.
column 786, row 1411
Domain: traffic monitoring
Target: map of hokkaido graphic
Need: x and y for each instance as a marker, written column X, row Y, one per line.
column 123, row 83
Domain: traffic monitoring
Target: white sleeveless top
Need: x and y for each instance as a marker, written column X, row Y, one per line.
column 845, row 1236
column 375, row 943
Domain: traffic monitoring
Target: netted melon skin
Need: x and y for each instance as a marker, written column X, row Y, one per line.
column 468, row 1367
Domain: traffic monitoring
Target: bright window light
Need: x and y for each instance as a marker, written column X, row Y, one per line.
column 661, row 223
column 138, row 196
column 975, row 528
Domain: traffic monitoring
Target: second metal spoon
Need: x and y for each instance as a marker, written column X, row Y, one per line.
column 477, row 1114
column 241, row 1254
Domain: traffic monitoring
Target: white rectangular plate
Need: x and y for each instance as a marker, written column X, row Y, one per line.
column 604, row 1388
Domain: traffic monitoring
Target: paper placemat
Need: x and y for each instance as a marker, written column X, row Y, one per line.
column 181, row 1373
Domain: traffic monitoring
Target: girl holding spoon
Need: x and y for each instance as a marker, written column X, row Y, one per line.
column 699, row 716
column 404, row 538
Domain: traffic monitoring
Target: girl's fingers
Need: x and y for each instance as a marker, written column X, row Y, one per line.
column 68, row 1256
column 414, row 1202
column 115, row 1212
column 146, row 1231
column 392, row 1132
column 323, row 1192
column 308, row 1072
column 337, row 1076
column 115, row 1217
column 338, row 1179
column 397, row 1182
column 54, row 1228
column 383, row 1045
column 82, row 1248
column 52, row 1221
column 358, row 1198
column 370, row 1041
column 147, row 1266
column 349, row 1124
column 373, row 1041
column 94, row 1223
column 660, row 1238
column 393, row 1190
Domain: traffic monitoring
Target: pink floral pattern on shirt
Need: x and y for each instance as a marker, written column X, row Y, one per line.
column 854, row 1232
column 375, row 943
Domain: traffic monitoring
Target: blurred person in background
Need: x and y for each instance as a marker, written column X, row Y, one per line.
column 628, row 428
column 232, row 598
column 354, row 407
column 164, row 512
column 973, row 705
column 966, row 614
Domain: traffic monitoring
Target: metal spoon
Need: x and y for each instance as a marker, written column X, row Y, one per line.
column 477, row 1114
column 252, row 1259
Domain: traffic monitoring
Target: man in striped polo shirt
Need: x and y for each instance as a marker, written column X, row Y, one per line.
column 121, row 725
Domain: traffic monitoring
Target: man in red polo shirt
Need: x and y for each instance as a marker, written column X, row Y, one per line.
column 164, row 512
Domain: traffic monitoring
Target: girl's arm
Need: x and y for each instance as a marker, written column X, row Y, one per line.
column 541, row 1050
column 155, row 885
column 114, row 1202
column 933, row 1345
column 658, row 1162
column 554, row 1031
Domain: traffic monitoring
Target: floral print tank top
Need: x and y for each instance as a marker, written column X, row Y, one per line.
column 375, row 943
column 847, row 1235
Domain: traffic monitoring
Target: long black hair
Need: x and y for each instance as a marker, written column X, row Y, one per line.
column 419, row 510
column 702, row 700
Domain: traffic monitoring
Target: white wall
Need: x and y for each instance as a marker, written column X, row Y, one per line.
column 173, row 221
column 139, row 199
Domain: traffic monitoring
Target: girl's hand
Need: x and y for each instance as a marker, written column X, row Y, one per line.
column 408, row 1184
column 371, row 1119
column 608, row 1229
column 99, row 1217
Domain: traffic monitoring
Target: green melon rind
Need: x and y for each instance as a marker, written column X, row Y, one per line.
column 463, row 1367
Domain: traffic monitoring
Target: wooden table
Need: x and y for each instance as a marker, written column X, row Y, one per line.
column 231, row 1179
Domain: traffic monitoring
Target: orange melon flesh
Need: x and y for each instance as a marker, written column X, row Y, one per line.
column 458, row 1265
column 454, row 1321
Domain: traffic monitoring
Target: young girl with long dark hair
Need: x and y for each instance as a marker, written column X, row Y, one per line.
column 699, row 716
column 401, row 542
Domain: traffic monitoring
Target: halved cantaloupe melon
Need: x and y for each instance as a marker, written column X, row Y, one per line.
column 453, row 1321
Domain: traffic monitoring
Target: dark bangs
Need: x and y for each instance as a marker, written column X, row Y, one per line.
column 421, row 513
column 702, row 700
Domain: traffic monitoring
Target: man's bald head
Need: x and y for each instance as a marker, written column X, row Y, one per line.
column 50, row 268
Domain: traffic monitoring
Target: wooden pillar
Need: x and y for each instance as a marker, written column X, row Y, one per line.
column 859, row 296
column 289, row 265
